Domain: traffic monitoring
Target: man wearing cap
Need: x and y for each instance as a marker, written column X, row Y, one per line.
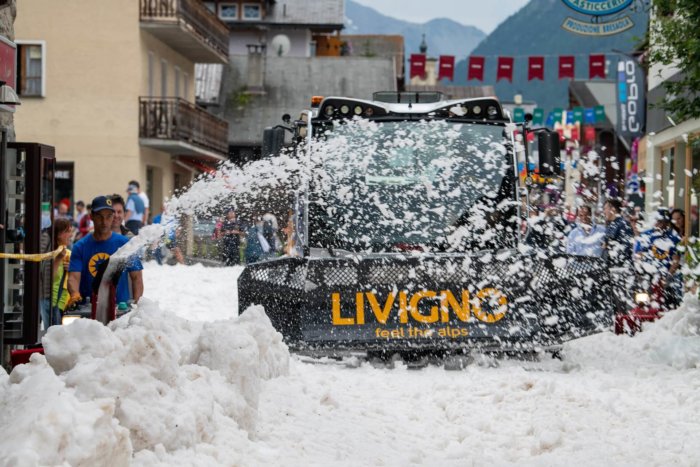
column 135, row 209
column 657, row 249
column 96, row 248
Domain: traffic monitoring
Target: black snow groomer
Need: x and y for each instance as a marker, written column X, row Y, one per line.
column 407, row 234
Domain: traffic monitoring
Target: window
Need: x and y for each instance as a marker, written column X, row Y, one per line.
column 251, row 11
column 228, row 11
column 163, row 78
column 31, row 68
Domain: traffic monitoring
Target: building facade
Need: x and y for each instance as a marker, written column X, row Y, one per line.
column 672, row 155
column 113, row 90
column 670, row 152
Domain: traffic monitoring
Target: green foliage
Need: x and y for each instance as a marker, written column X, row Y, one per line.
column 675, row 41
column 367, row 49
column 691, row 269
column 239, row 99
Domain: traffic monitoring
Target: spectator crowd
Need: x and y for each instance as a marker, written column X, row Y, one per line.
column 88, row 240
column 646, row 256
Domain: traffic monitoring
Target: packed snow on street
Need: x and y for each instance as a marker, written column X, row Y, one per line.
column 184, row 380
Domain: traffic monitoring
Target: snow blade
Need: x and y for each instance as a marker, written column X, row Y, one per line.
column 386, row 303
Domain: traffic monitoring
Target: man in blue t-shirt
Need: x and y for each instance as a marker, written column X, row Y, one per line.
column 135, row 210
column 94, row 249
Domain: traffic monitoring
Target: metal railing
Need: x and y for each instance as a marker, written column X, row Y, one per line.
column 173, row 118
column 205, row 24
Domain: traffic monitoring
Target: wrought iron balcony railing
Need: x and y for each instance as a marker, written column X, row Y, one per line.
column 172, row 119
column 169, row 20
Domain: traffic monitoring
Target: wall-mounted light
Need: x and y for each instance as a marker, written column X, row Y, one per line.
column 8, row 96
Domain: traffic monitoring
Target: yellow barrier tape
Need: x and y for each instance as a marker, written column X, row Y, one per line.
column 34, row 257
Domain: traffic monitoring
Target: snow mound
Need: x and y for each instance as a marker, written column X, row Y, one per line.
column 46, row 423
column 150, row 383
column 675, row 338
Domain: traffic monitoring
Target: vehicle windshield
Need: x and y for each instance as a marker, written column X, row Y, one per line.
column 411, row 185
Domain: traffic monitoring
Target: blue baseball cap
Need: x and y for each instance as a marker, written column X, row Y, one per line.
column 100, row 203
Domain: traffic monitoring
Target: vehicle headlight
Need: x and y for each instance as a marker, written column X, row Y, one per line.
column 642, row 298
column 69, row 319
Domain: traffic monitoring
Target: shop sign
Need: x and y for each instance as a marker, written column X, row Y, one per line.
column 598, row 29
column 596, row 9
column 630, row 99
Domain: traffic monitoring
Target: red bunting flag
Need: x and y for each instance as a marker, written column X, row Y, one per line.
column 589, row 134
column 417, row 65
column 535, row 68
column 566, row 66
column 476, row 68
column 505, row 69
column 596, row 66
column 447, row 67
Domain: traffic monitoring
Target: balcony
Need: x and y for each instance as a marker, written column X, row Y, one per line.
column 188, row 27
column 181, row 128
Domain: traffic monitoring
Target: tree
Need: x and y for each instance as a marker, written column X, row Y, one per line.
column 675, row 41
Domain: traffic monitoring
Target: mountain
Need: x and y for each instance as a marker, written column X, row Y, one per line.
column 536, row 30
column 443, row 36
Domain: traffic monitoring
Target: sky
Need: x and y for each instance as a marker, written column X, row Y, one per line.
column 467, row 12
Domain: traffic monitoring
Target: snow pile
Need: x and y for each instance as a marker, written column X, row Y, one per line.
column 672, row 341
column 675, row 339
column 46, row 423
column 151, row 383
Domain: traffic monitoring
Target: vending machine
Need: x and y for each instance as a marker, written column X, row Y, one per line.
column 26, row 210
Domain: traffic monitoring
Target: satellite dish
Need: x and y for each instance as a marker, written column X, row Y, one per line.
column 280, row 45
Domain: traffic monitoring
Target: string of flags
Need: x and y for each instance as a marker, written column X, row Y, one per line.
column 577, row 124
column 505, row 65
column 581, row 115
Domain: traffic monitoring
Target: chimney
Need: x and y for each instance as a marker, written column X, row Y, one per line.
column 256, row 69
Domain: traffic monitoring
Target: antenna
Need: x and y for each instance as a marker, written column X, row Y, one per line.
column 280, row 45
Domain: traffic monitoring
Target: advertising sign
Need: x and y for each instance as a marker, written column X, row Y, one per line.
column 630, row 99
column 595, row 9
column 8, row 67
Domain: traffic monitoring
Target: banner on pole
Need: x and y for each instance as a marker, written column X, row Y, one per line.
column 538, row 116
column 599, row 113
column 596, row 66
column 505, row 69
column 447, row 67
column 535, row 68
column 476, row 68
column 518, row 114
column 417, row 65
column 630, row 99
column 567, row 67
